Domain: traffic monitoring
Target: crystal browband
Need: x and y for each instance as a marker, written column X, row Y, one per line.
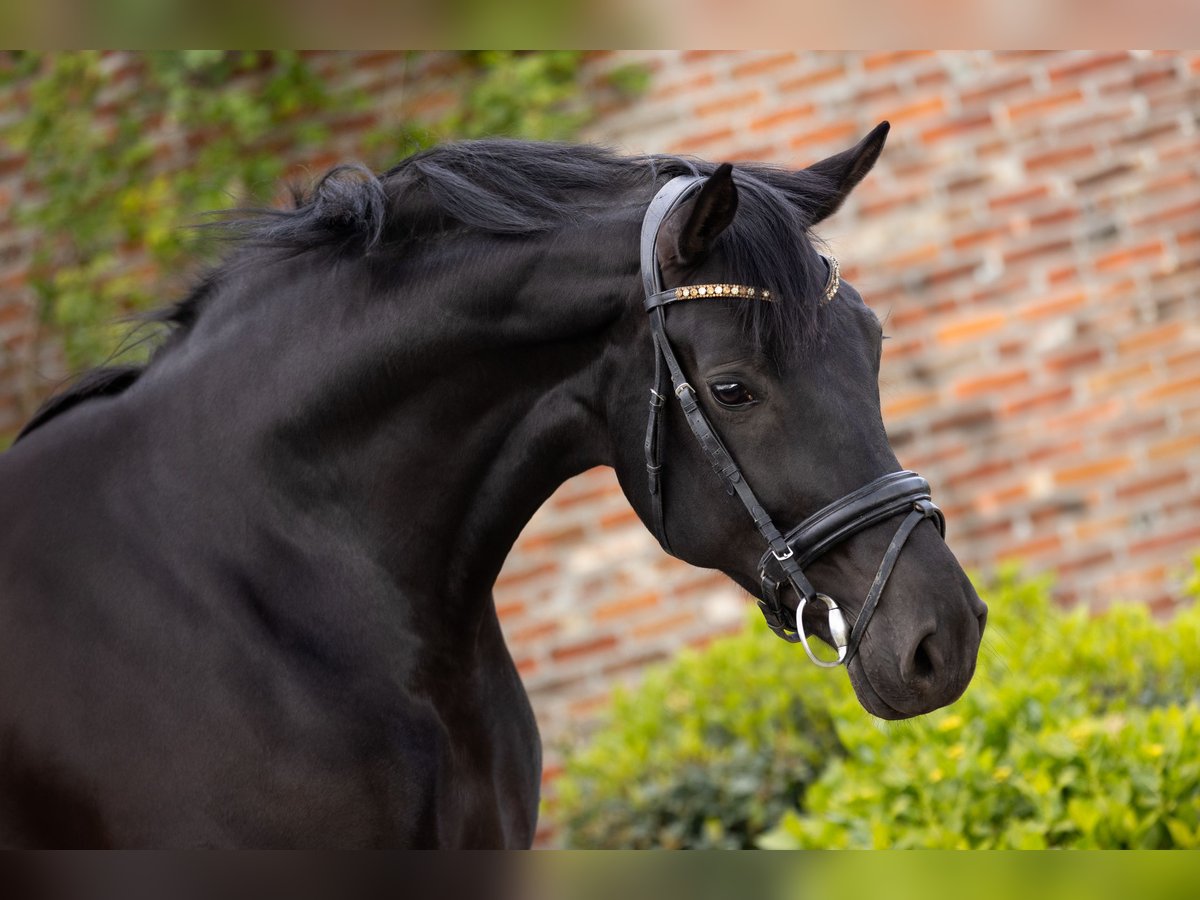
column 740, row 291
column 720, row 290
column 716, row 291
column 835, row 278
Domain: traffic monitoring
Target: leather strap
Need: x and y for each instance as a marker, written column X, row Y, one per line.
column 870, row 504
column 786, row 555
column 923, row 509
column 664, row 202
column 673, row 193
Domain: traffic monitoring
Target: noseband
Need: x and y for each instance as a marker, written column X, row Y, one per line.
column 787, row 554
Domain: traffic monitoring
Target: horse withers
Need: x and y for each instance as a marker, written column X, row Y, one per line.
column 246, row 587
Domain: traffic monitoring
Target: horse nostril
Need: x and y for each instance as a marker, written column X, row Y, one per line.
column 982, row 617
column 923, row 663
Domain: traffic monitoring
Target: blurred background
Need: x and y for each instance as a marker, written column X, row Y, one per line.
column 1031, row 238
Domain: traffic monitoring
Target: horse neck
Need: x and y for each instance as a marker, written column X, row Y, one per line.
column 426, row 402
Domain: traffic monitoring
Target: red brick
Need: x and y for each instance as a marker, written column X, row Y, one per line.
column 588, row 707
column 1057, row 158
column 509, row 579
column 726, row 105
column 686, row 86
column 927, row 107
column 1179, row 538
column 957, row 127
column 1023, row 197
column 813, row 78
column 1031, row 251
column 1100, row 177
column 510, row 610
column 989, row 384
column 542, row 539
column 1128, row 255
column 885, row 60
column 587, row 496
column 620, row 608
column 1054, row 396
column 1161, row 335
column 619, row 519
column 998, row 88
column 948, row 273
column 1051, row 451
column 1055, row 217
column 972, row 328
column 639, row 661
column 763, row 64
column 696, row 141
column 1189, row 210
column 1075, row 358
column 1190, row 386
column 931, row 78
column 1084, row 562
column 1178, row 446
column 912, row 256
column 704, row 640
column 1086, row 65
column 1153, row 483
column 589, row 647
column 783, row 117
column 1044, row 104
column 898, row 407
column 666, row 625
column 531, row 633
column 886, row 203
column 1035, row 547
column 1102, row 468
column 10, row 165
column 827, row 134
column 979, row 472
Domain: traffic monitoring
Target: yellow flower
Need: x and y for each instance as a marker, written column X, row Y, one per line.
column 1154, row 750
column 1002, row 773
column 950, row 723
column 936, row 775
column 956, row 752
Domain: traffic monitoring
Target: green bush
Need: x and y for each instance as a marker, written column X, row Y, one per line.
column 1078, row 731
column 708, row 752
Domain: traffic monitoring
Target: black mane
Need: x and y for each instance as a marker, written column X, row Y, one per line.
column 508, row 187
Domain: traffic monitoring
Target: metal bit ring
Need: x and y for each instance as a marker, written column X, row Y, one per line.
column 837, row 630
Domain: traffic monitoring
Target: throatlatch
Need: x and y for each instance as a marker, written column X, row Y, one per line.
column 786, row 555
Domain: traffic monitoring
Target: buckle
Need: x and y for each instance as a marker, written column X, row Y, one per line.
column 683, row 387
column 790, row 553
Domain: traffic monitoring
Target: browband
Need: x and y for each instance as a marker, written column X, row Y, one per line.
column 739, row 291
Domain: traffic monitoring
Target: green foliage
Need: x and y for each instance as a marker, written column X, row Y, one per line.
column 117, row 200
column 708, row 752
column 113, row 211
column 1078, row 731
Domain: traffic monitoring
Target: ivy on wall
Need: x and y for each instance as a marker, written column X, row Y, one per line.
column 104, row 134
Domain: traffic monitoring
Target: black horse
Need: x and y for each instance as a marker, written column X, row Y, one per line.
column 245, row 590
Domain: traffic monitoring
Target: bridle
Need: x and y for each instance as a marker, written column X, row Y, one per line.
column 787, row 554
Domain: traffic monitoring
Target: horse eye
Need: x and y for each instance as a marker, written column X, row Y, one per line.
column 731, row 394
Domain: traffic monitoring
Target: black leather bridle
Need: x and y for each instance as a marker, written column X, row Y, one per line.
column 787, row 554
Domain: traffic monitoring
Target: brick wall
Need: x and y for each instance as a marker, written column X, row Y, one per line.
column 1032, row 235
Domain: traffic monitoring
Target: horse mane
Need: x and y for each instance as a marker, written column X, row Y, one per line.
column 509, row 187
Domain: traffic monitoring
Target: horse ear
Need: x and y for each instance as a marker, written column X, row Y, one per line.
column 709, row 215
column 839, row 174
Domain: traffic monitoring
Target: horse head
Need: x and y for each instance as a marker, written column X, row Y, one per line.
column 774, row 361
